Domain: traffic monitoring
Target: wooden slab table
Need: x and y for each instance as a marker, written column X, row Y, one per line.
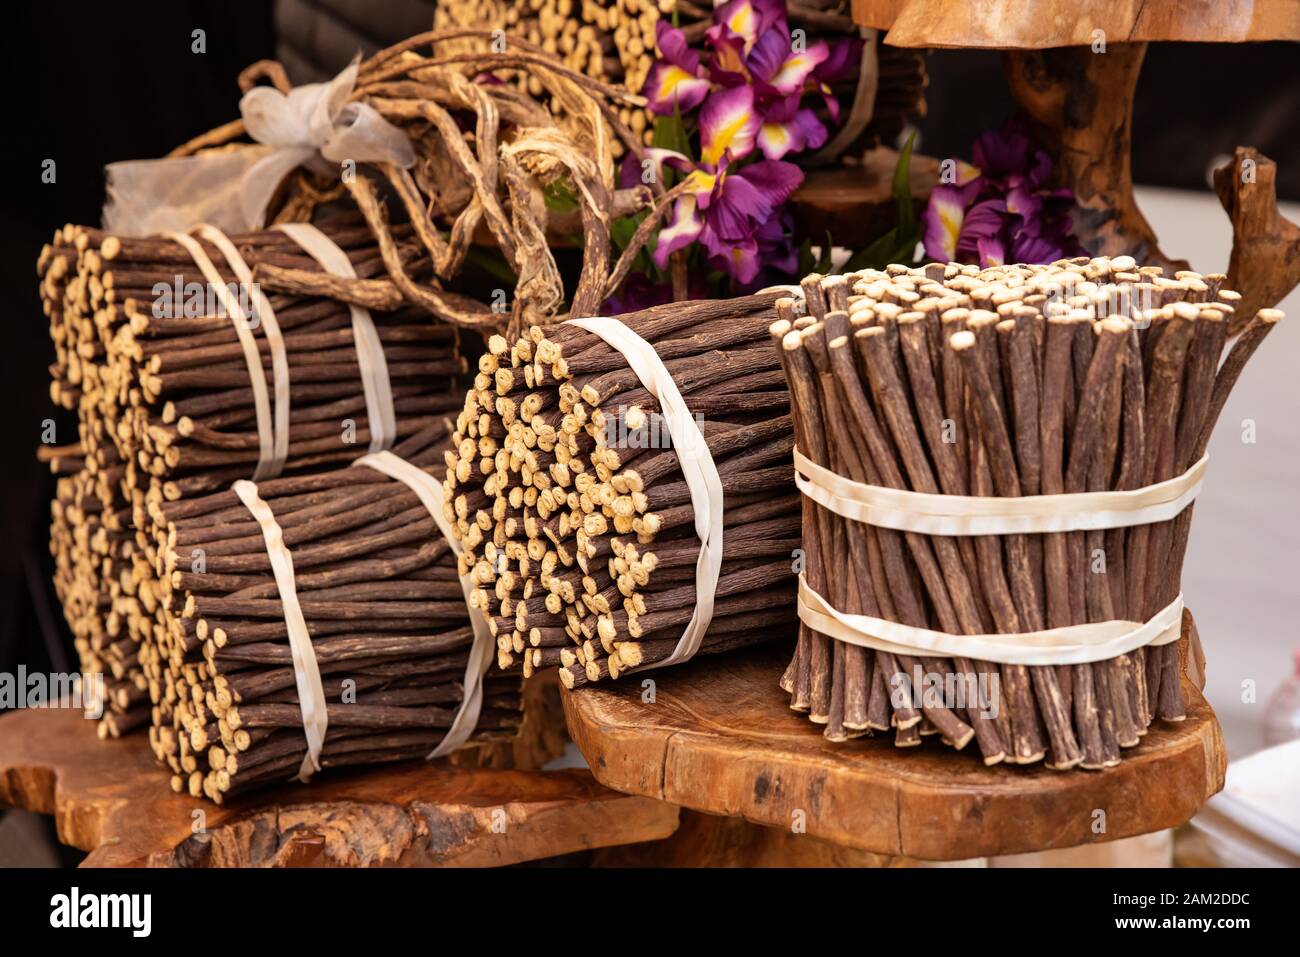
column 717, row 736
column 112, row 799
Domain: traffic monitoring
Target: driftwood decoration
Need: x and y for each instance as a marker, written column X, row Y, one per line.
column 716, row 740
column 1265, row 263
column 1039, row 24
column 112, row 801
column 1072, row 68
column 492, row 176
column 1080, row 106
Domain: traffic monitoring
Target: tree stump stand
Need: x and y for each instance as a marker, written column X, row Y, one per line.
column 716, row 736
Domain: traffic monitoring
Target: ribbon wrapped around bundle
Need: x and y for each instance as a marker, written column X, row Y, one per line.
column 312, row 700
column 699, row 471
column 314, row 125
column 961, row 515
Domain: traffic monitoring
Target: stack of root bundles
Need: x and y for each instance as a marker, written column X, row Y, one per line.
column 575, row 519
column 165, row 409
column 1085, row 375
column 380, row 592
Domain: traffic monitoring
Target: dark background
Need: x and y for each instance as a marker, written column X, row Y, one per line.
column 89, row 83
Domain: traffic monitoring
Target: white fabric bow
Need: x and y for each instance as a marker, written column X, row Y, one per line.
column 313, row 125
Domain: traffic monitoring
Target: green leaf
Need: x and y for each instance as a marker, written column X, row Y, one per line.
column 493, row 263
column 902, row 187
column 892, row 247
column 559, row 197
column 670, row 134
column 906, row 253
column 824, row 260
column 899, row 244
column 620, row 234
column 622, row 229
column 876, row 255
column 718, row 283
column 806, row 261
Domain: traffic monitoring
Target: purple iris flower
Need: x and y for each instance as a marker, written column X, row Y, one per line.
column 749, row 88
column 1001, row 207
column 789, row 128
column 778, row 68
column 776, row 248
column 674, row 81
column 726, row 212
column 983, row 221
column 843, row 63
column 745, row 20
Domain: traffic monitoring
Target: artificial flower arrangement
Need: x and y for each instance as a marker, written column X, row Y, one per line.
column 1001, row 209
column 735, row 117
column 729, row 119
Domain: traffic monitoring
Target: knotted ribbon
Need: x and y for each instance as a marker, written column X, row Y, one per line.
column 313, row 125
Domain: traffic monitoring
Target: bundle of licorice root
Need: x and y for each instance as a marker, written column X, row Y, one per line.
column 94, row 553
column 174, row 388
column 148, row 356
column 568, row 498
column 1088, row 375
column 379, row 591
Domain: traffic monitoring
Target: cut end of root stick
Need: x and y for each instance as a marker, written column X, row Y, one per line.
column 962, row 340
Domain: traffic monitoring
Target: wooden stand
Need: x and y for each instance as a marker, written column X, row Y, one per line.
column 708, row 840
column 716, row 736
column 110, row 798
column 1265, row 263
column 1080, row 105
column 855, row 204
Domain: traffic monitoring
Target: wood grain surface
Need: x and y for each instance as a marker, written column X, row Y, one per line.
column 1037, row 24
column 110, row 798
